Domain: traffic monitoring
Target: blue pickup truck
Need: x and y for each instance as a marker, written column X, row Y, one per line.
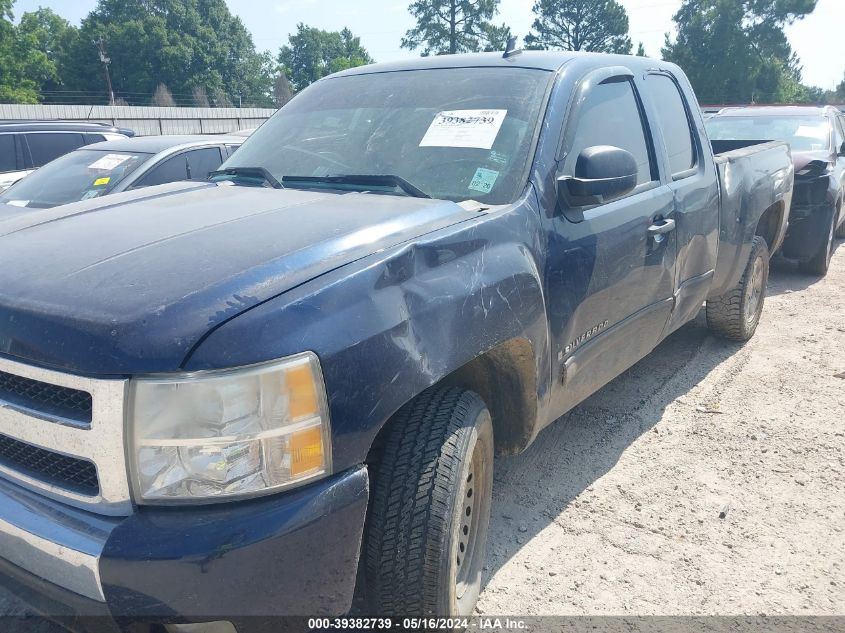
column 277, row 391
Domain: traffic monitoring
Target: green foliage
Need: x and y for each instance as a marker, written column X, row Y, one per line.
column 312, row 53
column 25, row 67
column 454, row 26
column 641, row 50
column 735, row 51
column 53, row 36
column 580, row 25
column 183, row 44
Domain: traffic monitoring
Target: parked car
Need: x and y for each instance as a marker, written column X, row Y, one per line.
column 221, row 394
column 816, row 136
column 27, row 145
column 244, row 132
column 114, row 166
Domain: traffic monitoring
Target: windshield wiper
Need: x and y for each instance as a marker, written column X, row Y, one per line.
column 249, row 172
column 364, row 180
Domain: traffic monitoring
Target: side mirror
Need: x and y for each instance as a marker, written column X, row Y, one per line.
column 602, row 172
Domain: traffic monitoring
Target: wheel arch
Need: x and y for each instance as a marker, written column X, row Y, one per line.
column 770, row 226
column 505, row 377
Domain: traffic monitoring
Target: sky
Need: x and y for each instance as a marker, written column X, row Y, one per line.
column 381, row 23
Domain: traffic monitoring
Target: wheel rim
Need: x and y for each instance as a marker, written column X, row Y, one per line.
column 468, row 551
column 754, row 291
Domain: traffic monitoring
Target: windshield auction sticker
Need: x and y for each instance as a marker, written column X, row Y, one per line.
column 109, row 161
column 464, row 128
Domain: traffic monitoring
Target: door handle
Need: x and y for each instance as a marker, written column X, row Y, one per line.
column 665, row 226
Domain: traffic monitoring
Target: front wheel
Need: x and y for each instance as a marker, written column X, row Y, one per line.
column 735, row 314
column 430, row 507
column 840, row 232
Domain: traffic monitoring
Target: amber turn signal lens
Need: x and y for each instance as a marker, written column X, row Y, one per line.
column 306, row 451
column 302, row 392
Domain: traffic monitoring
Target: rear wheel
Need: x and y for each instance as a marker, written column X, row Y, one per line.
column 735, row 314
column 820, row 262
column 430, row 507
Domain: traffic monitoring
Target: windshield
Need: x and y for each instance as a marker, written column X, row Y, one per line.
column 80, row 175
column 455, row 134
column 804, row 134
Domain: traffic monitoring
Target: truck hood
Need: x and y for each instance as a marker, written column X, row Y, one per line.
column 801, row 159
column 130, row 283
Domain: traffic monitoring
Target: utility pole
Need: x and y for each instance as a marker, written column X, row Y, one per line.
column 106, row 61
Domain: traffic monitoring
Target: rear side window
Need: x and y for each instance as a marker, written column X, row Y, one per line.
column 7, row 153
column 46, row 146
column 94, row 138
column 202, row 162
column 673, row 121
column 171, row 170
column 611, row 116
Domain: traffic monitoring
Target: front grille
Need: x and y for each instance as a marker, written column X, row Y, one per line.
column 42, row 397
column 71, row 473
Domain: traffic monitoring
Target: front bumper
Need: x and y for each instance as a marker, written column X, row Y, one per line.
column 809, row 227
column 294, row 554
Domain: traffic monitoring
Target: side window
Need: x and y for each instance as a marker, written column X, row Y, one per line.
column 173, row 169
column 201, row 162
column 7, row 153
column 94, row 138
column 611, row 115
column 45, row 146
column 673, row 121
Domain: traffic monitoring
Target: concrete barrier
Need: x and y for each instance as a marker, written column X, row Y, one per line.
column 145, row 120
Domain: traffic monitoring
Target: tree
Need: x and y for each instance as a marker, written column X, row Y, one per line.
column 496, row 37
column 282, row 92
column 25, row 67
column 181, row 43
column 53, row 36
column 580, row 25
column 312, row 53
column 162, row 97
column 735, row 51
column 641, row 50
column 839, row 93
column 454, row 26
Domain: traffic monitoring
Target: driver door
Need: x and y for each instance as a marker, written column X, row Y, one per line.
column 610, row 278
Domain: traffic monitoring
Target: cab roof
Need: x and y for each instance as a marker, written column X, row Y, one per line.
column 542, row 60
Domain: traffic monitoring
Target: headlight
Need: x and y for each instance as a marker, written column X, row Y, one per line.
column 233, row 433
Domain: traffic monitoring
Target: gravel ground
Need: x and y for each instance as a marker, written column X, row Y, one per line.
column 708, row 479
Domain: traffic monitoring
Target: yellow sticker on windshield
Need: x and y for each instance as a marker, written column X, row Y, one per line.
column 101, row 181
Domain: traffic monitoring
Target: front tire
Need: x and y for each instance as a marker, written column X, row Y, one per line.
column 840, row 232
column 430, row 507
column 735, row 314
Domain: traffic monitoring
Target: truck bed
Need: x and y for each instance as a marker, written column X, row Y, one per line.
column 747, row 172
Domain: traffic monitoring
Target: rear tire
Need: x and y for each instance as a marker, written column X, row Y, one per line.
column 735, row 314
column 430, row 507
column 820, row 262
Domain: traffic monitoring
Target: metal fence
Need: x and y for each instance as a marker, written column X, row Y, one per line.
column 146, row 120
